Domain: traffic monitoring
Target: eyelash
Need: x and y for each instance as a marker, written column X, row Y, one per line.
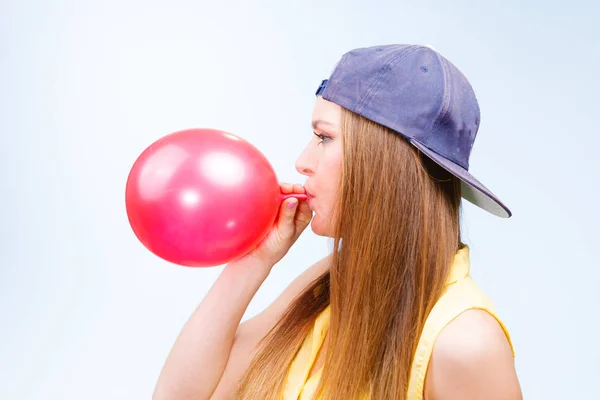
column 322, row 137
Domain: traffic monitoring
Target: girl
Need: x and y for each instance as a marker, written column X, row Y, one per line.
column 392, row 312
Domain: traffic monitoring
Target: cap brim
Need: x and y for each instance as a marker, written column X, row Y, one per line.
column 472, row 190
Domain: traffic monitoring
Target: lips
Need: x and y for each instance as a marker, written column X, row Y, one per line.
column 310, row 196
column 308, row 192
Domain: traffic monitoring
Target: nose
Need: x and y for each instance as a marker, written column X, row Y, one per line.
column 304, row 164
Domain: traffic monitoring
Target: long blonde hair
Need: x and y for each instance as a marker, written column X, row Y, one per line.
column 400, row 228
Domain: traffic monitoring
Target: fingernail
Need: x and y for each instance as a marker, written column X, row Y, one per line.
column 292, row 203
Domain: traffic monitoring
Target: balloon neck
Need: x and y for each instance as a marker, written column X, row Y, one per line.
column 299, row 196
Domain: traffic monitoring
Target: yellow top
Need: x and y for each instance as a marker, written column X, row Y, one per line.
column 461, row 294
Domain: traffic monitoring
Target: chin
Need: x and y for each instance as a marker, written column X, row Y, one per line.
column 319, row 228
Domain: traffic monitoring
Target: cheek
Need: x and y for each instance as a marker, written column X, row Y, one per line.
column 331, row 168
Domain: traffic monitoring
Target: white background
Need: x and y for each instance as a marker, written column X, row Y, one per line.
column 88, row 313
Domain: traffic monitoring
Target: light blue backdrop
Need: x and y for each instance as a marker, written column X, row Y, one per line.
column 85, row 86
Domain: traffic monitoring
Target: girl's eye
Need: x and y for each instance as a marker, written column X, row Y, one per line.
column 322, row 137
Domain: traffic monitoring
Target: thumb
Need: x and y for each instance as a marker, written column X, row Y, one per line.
column 287, row 214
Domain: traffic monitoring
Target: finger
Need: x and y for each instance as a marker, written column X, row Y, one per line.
column 284, row 210
column 298, row 188
column 286, row 219
column 303, row 215
column 286, row 187
column 290, row 206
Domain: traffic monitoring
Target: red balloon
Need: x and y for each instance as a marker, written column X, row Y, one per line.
column 202, row 197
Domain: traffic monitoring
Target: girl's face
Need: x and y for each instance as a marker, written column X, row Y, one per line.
column 321, row 163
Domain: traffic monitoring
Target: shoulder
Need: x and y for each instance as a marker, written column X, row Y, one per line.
column 472, row 359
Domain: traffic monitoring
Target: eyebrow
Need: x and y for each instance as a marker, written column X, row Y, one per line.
column 318, row 122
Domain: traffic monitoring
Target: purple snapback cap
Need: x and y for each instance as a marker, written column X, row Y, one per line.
column 420, row 95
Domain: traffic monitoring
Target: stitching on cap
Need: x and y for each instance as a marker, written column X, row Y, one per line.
column 386, row 69
column 446, row 100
